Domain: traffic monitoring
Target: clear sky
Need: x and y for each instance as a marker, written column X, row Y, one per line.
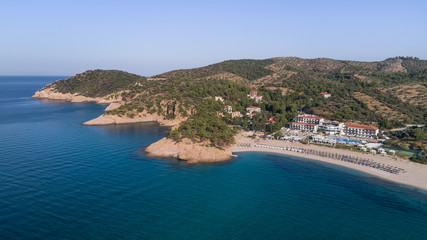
column 150, row 37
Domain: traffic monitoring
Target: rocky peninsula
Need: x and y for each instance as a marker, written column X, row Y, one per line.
column 105, row 119
column 188, row 150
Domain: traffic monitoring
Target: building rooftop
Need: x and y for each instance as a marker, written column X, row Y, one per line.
column 324, row 93
column 361, row 126
column 307, row 124
column 313, row 117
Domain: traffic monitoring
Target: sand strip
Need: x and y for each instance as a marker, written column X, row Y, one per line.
column 414, row 174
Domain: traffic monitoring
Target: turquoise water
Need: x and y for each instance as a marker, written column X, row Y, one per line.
column 62, row 180
column 346, row 141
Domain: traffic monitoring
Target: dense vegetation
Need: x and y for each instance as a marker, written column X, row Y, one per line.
column 205, row 125
column 413, row 138
column 97, row 83
column 247, row 69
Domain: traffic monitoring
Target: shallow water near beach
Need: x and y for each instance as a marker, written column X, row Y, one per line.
column 62, row 180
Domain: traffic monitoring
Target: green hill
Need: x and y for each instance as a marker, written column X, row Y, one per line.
column 97, row 83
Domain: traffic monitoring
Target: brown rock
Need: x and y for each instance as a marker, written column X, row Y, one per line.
column 187, row 150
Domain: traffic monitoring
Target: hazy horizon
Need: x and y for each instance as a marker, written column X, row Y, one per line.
column 69, row 75
column 64, row 38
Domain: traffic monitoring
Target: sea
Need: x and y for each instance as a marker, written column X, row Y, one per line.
column 62, row 180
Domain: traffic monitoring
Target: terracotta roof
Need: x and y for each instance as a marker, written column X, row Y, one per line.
column 310, row 117
column 252, row 107
column 361, row 126
column 308, row 124
column 324, row 93
column 253, row 91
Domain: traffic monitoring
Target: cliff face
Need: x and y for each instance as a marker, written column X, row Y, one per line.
column 105, row 119
column 187, row 150
column 50, row 93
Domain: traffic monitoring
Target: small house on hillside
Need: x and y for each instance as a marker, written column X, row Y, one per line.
column 271, row 120
column 325, row 94
column 253, row 109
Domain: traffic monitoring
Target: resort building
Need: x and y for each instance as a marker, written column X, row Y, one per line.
column 307, row 127
column 258, row 99
column 325, row 94
column 228, row 108
column 360, row 131
column 331, row 127
column 253, row 109
column 236, row 114
column 219, row 98
column 309, row 119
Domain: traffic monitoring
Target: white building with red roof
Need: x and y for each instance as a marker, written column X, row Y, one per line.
column 325, row 94
column 253, row 109
column 360, row 131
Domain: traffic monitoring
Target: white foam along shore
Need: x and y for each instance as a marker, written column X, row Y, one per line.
column 105, row 119
column 413, row 174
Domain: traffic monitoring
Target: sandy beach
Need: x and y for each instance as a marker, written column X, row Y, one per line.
column 412, row 174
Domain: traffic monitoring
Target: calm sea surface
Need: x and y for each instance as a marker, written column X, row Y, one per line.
column 62, row 180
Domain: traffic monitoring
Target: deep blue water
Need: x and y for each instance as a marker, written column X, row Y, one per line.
column 62, row 180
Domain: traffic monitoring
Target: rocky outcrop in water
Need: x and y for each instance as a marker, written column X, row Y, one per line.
column 188, row 150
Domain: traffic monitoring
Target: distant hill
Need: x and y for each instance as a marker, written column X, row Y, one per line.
column 246, row 69
column 97, row 83
column 254, row 69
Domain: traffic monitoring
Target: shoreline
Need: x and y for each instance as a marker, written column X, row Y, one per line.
column 104, row 119
column 414, row 174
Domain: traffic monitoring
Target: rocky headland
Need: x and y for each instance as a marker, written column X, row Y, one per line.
column 105, row 119
column 188, row 150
